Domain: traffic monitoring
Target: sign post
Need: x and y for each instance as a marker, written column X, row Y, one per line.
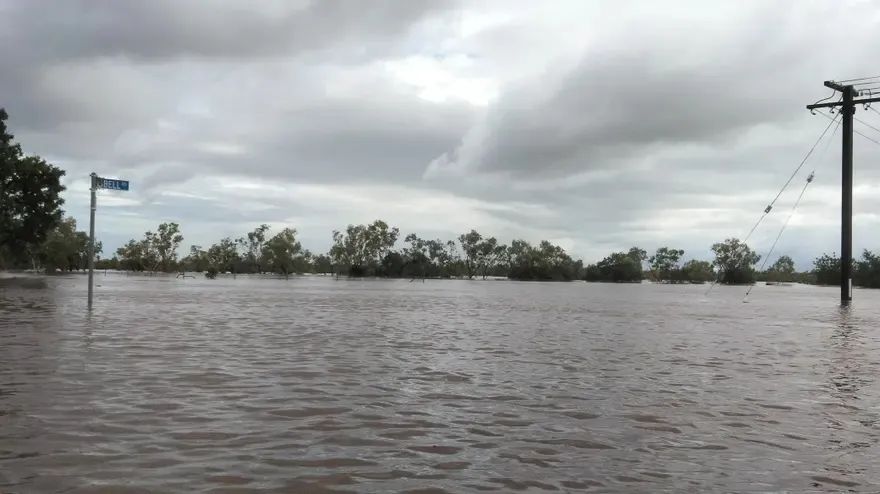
column 98, row 183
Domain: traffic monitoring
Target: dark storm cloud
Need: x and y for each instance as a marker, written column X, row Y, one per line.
column 161, row 29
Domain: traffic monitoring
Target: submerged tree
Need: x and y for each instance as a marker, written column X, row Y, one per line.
column 782, row 270
column 165, row 243
column 66, row 249
column 735, row 261
column 697, row 271
column 197, row 260
column 827, row 269
column 282, row 252
column 546, row 262
column 621, row 267
column 361, row 248
column 481, row 254
column 664, row 263
column 252, row 245
column 867, row 270
column 223, row 256
column 157, row 251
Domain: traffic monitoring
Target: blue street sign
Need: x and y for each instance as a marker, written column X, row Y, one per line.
column 111, row 183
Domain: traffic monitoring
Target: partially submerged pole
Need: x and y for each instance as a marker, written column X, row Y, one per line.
column 94, row 201
column 846, row 195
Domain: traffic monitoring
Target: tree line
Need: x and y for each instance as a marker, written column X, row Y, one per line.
column 35, row 234
column 358, row 251
column 370, row 251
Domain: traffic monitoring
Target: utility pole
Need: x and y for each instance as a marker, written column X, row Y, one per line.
column 847, row 109
column 94, row 205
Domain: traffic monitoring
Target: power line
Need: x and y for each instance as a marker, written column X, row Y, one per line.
column 860, row 79
column 796, row 170
column 796, row 203
column 770, row 206
column 854, row 130
column 875, row 141
column 866, row 124
column 784, row 225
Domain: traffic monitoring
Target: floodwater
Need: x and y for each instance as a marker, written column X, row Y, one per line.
column 316, row 385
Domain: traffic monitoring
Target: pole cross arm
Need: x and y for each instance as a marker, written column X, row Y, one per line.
column 840, row 103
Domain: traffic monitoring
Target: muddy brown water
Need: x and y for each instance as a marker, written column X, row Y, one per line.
column 316, row 385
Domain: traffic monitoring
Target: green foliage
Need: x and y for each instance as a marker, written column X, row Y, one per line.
column 197, row 260
column 867, row 271
column 136, row 256
column 223, row 255
column 664, row 264
column 696, row 271
column 112, row 263
column 282, row 253
column 827, row 269
column 782, row 270
column 546, row 262
column 481, row 255
column 735, row 261
column 252, row 244
column 360, row 250
column 322, row 264
column 157, row 251
column 621, row 267
column 164, row 243
column 30, row 200
column 66, row 249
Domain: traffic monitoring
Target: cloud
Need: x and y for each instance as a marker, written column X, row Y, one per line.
column 164, row 29
column 596, row 124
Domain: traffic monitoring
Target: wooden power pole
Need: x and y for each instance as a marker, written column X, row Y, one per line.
column 847, row 108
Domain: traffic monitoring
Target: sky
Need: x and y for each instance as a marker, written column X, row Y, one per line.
column 595, row 125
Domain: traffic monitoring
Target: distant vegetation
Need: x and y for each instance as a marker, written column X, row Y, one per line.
column 34, row 234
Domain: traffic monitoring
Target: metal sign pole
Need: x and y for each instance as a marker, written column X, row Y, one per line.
column 94, row 183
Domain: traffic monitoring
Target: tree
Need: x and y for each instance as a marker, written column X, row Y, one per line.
column 490, row 255
column 781, row 270
column 444, row 256
column 165, row 243
column 362, row 247
column 197, row 260
column 415, row 257
column 157, row 251
column 280, row 252
column 827, row 269
column 664, row 263
column 867, row 272
column 470, row 245
column 252, row 244
column 66, row 249
column 735, row 261
column 30, row 199
column 136, row 256
column 546, row 262
column 322, row 264
column 223, row 255
column 619, row 267
column 697, row 271
column 481, row 255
